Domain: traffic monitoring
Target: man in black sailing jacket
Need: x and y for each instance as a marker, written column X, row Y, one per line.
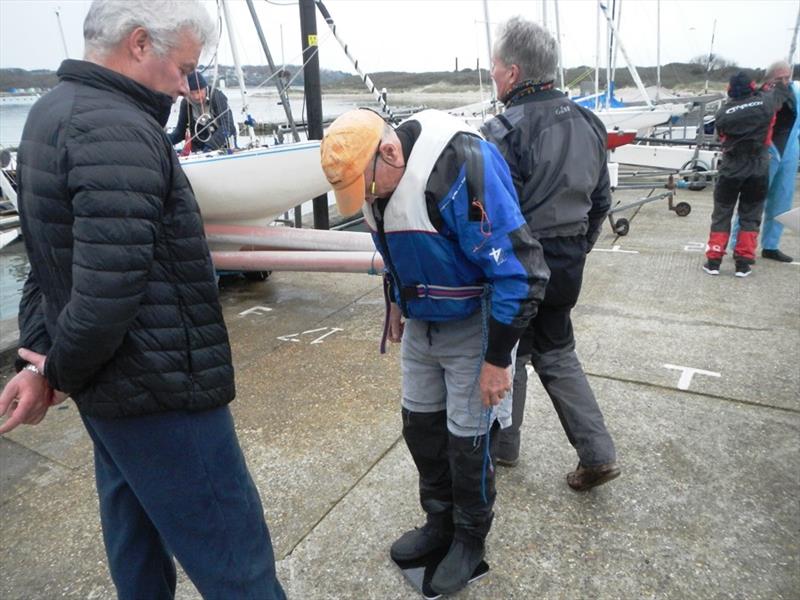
column 744, row 125
column 121, row 310
column 556, row 152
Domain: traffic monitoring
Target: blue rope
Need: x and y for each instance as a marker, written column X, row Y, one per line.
column 487, row 459
column 485, row 314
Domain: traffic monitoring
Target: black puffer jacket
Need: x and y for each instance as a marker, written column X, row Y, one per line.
column 122, row 295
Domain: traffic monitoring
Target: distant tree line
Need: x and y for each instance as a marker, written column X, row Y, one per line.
column 22, row 79
column 673, row 75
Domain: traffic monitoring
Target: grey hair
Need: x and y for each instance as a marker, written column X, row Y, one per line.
column 530, row 47
column 109, row 21
column 778, row 65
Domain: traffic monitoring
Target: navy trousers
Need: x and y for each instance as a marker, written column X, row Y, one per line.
column 176, row 485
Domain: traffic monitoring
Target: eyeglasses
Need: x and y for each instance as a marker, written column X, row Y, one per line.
column 371, row 189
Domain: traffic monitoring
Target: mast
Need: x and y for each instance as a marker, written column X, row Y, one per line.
column 487, row 24
column 710, row 56
column 313, row 90
column 658, row 49
column 239, row 75
column 794, row 41
column 616, row 46
column 560, row 57
column 631, row 68
column 287, row 108
column 64, row 40
column 610, row 38
column 597, row 60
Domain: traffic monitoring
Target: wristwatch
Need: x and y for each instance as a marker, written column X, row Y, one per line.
column 33, row 368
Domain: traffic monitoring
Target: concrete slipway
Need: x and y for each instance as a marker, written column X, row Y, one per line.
column 708, row 505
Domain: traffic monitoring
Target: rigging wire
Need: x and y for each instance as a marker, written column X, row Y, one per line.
column 365, row 78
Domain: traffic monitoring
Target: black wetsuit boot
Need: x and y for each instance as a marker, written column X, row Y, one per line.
column 427, row 439
column 472, row 516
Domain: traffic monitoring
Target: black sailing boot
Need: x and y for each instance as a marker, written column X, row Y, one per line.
column 472, row 517
column 426, row 437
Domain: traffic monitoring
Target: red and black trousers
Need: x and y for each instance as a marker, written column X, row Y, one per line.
column 750, row 192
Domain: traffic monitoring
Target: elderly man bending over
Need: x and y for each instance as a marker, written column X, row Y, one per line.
column 464, row 271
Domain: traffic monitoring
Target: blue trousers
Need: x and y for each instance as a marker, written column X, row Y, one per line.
column 176, row 485
column 779, row 199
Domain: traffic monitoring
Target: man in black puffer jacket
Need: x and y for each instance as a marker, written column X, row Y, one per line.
column 556, row 151
column 121, row 311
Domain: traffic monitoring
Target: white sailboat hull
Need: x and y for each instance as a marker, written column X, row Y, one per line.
column 639, row 118
column 257, row 184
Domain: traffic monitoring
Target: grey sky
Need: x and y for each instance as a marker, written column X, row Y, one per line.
column 427, row 35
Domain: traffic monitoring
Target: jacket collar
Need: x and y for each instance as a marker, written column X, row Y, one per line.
column 154, row 103
column 528, row 91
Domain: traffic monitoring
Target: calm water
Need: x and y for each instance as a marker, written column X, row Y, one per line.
column 13, row 271
column 262, row 104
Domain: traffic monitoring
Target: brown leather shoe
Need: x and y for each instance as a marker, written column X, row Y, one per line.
column 585, row 478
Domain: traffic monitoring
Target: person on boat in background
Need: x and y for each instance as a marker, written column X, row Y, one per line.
column 121, row 311
column 783, row 156
column 464, row 271
column 204, row 123
column 556, row 151
column 744, row 124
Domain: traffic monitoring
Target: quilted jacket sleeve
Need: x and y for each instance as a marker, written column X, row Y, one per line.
column 32, row 332
column 117, row 179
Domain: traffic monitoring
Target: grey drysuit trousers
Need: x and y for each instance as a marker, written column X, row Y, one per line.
column 549, row 344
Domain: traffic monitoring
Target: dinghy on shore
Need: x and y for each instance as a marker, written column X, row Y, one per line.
column 257, row 184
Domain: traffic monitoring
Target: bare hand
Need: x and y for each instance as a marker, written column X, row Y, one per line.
column 495, row 383
column 26, row 398
column 38, row 360
column 396, row 325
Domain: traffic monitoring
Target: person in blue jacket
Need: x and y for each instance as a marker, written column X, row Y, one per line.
column 784, row 153
column 464, row 271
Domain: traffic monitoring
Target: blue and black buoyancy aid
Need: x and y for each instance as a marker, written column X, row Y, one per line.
column 439, row 274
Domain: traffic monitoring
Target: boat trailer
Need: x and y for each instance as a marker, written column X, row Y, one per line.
column 691, row 179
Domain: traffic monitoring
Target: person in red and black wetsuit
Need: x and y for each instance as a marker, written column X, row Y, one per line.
column 744, row 125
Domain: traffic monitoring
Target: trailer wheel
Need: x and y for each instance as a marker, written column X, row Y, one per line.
column 682, row 209
column 257, row 275
column 622, row 227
